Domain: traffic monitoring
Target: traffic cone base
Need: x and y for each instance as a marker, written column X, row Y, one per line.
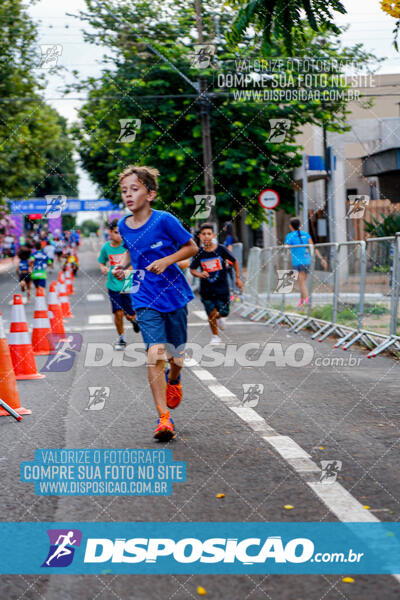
column 8, row 385
column 41, row 334
column 21, row 352
column 21, row 411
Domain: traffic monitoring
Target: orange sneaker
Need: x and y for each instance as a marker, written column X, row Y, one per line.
column 174, row 392
column 165, row 428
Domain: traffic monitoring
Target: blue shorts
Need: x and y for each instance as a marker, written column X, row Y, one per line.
column 219, row 301
column 39, row 283
column 304, row 268
column 164, row 328
column 121, row 302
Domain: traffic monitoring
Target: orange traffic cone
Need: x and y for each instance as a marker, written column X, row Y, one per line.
column 8, row 385
column 41, row 334
column 55, row 314
column 21, row 351
column 69, row 281
column 63, row 296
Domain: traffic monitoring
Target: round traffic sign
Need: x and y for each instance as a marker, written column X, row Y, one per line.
column 268, row 199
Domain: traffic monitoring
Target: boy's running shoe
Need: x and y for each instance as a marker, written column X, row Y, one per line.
column 221, row 323
column 165, row 428
column 215, row 340
column 174, row 392
column 135, row 326
column 120, row 345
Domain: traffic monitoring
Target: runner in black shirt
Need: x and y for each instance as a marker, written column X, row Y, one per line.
column 214, row 261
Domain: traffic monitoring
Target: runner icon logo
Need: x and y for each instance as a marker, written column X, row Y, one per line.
column 330, row 470
column 97, row 397
column 202, row 55
column 357, row 206
column 63, row 543
column 252, row 393
column 286, row 281
column 50, row 54
column 64, row 356
column 132, row 281
column 55, row 206
column 129, row 129
column 278, row 130
column 204, row 205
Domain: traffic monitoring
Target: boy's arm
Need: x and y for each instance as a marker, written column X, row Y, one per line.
column 125, row 263
column 186, row 251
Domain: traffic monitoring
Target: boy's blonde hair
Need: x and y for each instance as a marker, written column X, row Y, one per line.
column 146, row 175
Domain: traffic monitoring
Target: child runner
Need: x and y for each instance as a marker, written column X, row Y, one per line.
column 156, row 241
column 49, row 250
column 39, row 260
column 214, row 286
column 24, row 271
column 301, row 258
column 121, row 304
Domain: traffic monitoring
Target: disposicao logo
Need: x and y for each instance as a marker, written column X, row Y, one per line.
column 62, row 547
column 191, row 550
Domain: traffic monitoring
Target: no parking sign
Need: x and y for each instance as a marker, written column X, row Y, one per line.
column 268, row 199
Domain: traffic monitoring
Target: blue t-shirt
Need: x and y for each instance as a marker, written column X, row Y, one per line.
column 160, row 236
column 300, row 256
column 39, row 265
column 24, row 265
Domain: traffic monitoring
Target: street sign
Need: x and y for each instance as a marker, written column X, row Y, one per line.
column 39, row 205
column 269, row 199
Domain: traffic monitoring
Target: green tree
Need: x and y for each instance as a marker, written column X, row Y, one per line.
column 141, row 86
column 32, row 134
column 68, row 222
column 89, row 226
column 282, row 20
column 61, row 176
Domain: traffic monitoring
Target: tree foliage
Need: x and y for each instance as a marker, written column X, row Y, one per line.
column 35, row 152
column 139, row 85
column 282, row 20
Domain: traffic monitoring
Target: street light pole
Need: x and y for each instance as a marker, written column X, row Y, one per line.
column 205, row 109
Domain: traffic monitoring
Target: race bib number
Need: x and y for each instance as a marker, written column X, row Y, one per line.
column 212, row 264
column 115, row 259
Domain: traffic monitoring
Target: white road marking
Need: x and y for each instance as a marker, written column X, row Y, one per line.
column 221, row 391
column 338, row 500
column 99, row 319
column 204, row 375
column 341, row 502
column 95, row 297
column 201, row 314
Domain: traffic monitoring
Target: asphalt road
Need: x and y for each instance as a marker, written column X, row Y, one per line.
column 347, row 413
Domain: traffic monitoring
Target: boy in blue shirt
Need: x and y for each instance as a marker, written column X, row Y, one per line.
column 156, row 241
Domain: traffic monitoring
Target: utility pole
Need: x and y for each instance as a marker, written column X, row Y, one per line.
column 203, row 101
column 205, row 109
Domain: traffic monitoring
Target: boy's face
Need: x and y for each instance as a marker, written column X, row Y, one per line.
column 114, row 235
column 134, row 194
column 206, row 237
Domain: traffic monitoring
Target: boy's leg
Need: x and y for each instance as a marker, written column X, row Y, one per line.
column 119, row 321
column 156, row 373
column 212, row 314
column 212, row 320
column 152, row 326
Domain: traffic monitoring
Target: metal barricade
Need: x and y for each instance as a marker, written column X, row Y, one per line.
column 250, row 292
column 361, row 281
column 383, row 258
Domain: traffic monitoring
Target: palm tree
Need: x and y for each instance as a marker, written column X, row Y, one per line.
column 283, row 19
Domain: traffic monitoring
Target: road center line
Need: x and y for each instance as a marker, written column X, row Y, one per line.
column 338, row 500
